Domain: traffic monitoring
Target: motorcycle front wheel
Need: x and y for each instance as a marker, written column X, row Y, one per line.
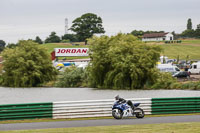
column 139, row 113
column 117, row 114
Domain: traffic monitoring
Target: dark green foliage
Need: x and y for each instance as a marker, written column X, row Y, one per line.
column 198, row 26
column 140, row 33
column 189, row 24
column 38, row 40
column 2, row 45
column 197, row 33
column 71, row 37
column 163, row 81
column 122, row 62
column 198, row 87
column 87, row 25
column 27, row 65
column 72, row 77
column 53, row 38
column 12, row 45
column 183, row 85
column 188, row 33
column 65, row 41
column 176, row 85
column 191, row 85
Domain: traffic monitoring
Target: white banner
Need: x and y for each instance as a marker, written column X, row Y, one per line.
column 71, row 52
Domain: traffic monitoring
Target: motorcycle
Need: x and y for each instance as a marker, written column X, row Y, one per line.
column 121, row 110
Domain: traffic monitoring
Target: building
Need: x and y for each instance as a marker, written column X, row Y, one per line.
column 158, row 37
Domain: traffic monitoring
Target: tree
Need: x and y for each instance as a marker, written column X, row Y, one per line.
column 11, row 45
column 27, row 65
column 122, row 62
column 87, row 25
column 138, row 33
column 38, row 40
column 53, row 38
column 2, row 45
column 198, row 26
column 71, row 37
column 189, row 24
column 197, row 31
column 188, row 33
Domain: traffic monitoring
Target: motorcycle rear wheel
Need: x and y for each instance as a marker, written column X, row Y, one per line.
column 139, row 113
column 117, row 113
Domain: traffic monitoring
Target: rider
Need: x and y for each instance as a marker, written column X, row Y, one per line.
column 119, row 99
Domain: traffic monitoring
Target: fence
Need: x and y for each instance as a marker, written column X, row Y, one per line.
column 96, row 108
column 25, row 111
column 175, row 105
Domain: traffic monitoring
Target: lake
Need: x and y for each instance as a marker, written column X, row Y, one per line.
column 34, row 95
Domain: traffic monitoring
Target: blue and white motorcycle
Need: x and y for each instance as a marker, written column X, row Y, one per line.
column 121, row 110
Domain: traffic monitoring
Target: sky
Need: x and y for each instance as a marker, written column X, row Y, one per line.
column 26, row 19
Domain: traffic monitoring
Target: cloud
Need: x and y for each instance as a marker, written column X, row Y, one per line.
column 44, row 16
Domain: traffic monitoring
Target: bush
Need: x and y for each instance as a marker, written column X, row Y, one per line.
column 191, row 85
column 198, row 87
column 65, row 41
column 175, row 85
column 72, row 77
column 164, row 81
column 27, row 65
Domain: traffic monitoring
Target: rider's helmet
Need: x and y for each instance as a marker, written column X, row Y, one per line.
column 117, row 97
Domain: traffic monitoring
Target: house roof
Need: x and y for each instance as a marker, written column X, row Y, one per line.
column 153, row 35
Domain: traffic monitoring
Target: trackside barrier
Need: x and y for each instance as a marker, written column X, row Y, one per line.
column 92, row 108
column 25, row 111
column 175, row 105
column 96, row 108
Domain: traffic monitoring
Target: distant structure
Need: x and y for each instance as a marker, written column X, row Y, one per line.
column 66, row 26
column 158, row 37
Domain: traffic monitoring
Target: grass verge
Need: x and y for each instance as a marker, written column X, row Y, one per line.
column 190, row 127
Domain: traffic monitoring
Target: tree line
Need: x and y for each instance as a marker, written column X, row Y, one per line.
column 189, row 32
column 88, row 24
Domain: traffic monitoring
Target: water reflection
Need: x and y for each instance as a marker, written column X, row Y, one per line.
column 32, row 95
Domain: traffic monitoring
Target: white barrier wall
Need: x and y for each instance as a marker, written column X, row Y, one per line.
column 92, row 108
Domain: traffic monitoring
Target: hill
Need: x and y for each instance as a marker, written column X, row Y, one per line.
column 187, row 47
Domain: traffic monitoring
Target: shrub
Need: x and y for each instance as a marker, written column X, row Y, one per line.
column 27, row 65
column 72, row 77
column 164, row 81
column 65, row 41
column 198, row 87
column 175, row 85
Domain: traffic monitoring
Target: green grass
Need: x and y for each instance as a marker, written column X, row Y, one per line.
column 190, row 127
column 192, row 41
column 187, row 47
column 173, row 50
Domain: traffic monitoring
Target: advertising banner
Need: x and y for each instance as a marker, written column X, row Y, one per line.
column 71, row 52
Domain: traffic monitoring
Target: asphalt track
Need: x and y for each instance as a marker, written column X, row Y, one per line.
column 101, row 122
